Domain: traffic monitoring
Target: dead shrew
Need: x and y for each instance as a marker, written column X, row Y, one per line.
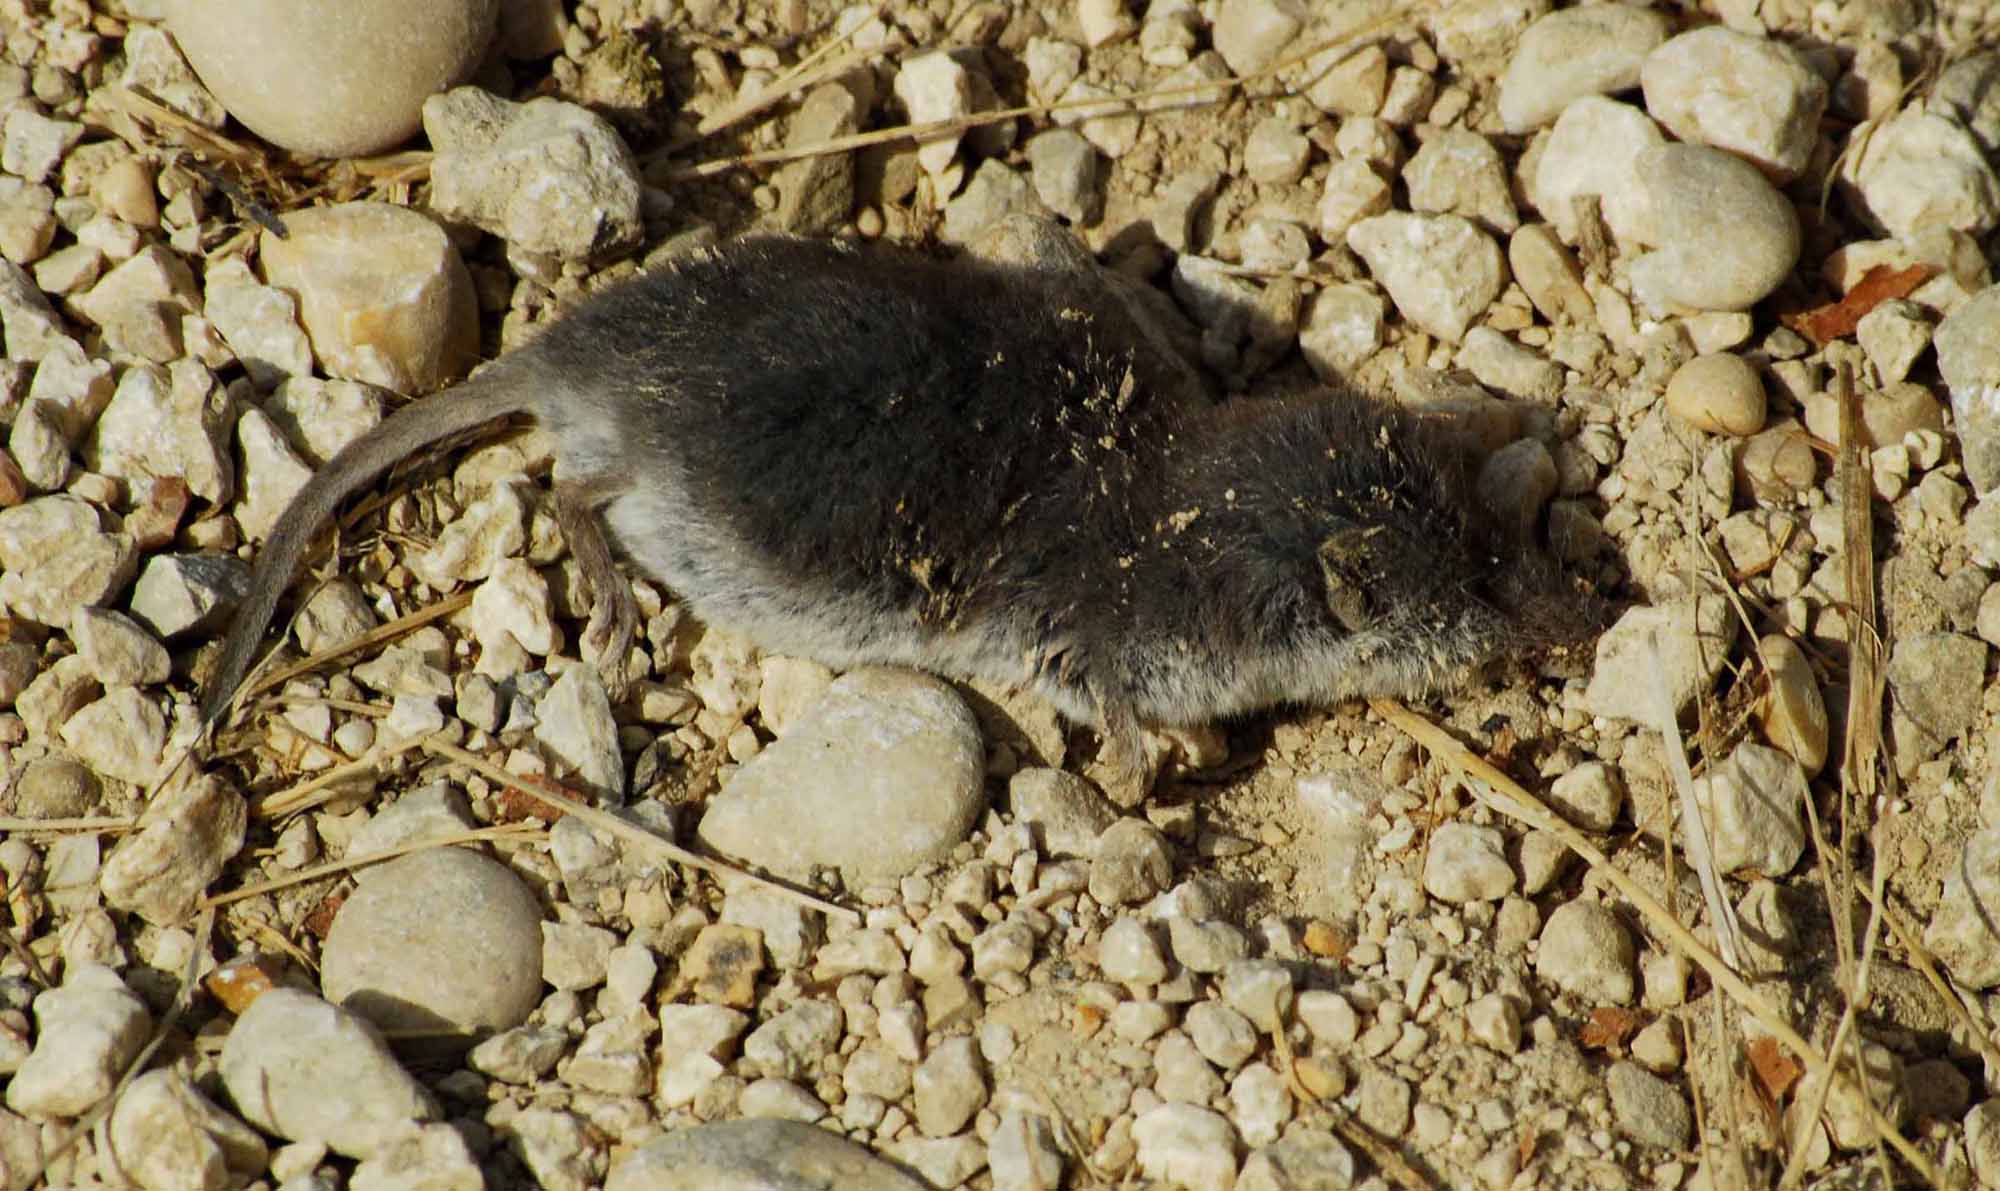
column 870, row 456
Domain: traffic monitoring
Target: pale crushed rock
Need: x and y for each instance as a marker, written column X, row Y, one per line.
column 792, row 1042
column 1935, row 685
column 1753, row 805
column 732, row 1153
column 1459, row 172
column 1130, row 863
column 1961, row 933
column 87, row 1030
column 551, row 178
column 898, row 752
column 1467, row 864
column 167, row 1134
column 513, row 604
column 1023, row 1153
column 1411, row 254
column 1680, row 646
column 1921, row 170
column 170, row 422
column 303, row 1069
column 119, row 650
column 122, row 735
column 949, row 1087
column 575, row 726
column 139, row 305
column 187, row 593
column 186, row 836
column 935, row 86
column 434, row 1157
column 576, row 956
column 1587, row 952
column 561, row 1151
column 88, row 572
column 1594, row 149
column 1968, row 358
column 1649, row 1109
column 336, row 612
column 1252, row 34
column 1752, row 96
column 319, row 417
column 259, row 322
column 1343, row 326
column 272, row 474
column 1181, row 1143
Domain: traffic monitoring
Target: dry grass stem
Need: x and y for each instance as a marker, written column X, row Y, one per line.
column 510, row 833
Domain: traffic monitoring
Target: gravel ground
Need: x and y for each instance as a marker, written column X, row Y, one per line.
column 1519, row 938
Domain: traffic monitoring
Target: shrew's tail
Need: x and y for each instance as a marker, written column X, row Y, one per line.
column 491, row 395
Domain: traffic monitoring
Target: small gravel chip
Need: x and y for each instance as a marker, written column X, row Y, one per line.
column 1305, row 1160
column 1467, row 864
column 1222, row 1035
column 1441, row 271
column 792, row 1043
column 521, row 1055
column 949, row 1087
column 1494, row 1022
column 87, row 1030
column 1206, row 947
column 434, row 1157
column 168, row 1134
column 1023, row 1154
column 1130, row 953
column 1590, row 796
column 1754, row 807
column 186, row 836
column 721, row 966
column 1260, row 990
column 1587, row 952
column 1330, row 1017
column 1133, row 862
column 779, row 1099
column 1650, row 1110
column 1180, row 1143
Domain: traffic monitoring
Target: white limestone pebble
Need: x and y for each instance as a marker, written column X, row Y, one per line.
column 1961, row 932
column 574, row 726
column 1352, row 191
column 1894, row 334
column 122, row 735
column 1594, row 149
column 899, row 753
column 1467, row 864
column 1441, row 271
column 259, row 322
column 1186, row 1145
column 1935, row 680
column 1751, row 96
column 1968, row 90
column 140, row 304
column 1594, row 49
column 932, row 87
column 1753, row 804
column 331, row 78
column 306, row 1070
column 1919, row 171
column 1251, row 34
column 1459, row 172
column 949, row 1086
column 1585, row 951
column 444, row 939
column 1067, row 174
column 1692, row 636
column 1690, row 190
column 272, row 474
column 1068, row 814
column 186, row 835
column 1719, row 393
column 30, row 324
column 165, row 422
column 1548, row 273
column 184, row 593
column 86, row 1031
column 1589, row 796
column 553, row 179
column 1343, row 326
column 168, row 1135
column 1131, row 862
column 1307, row 1158
column 434, row 1155
column 119, row 650
column 381, row 291
column 1968, row 356
column 491, row 530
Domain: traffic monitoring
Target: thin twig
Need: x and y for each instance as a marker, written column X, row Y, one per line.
column 505, row 833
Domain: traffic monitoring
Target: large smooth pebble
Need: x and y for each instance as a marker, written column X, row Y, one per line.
column 333, row 78
column 884, row 774
column 381, row 291
column 1595, row 49
column 444, row 939
column 756, row 1155
column 1721, row 394
column 1794, row 713
column 1750, row 95
column 1692, row 192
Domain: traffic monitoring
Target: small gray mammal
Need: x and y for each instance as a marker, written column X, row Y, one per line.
column 870, row 456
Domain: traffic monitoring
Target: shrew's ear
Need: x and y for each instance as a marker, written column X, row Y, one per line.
column 1350, row 561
